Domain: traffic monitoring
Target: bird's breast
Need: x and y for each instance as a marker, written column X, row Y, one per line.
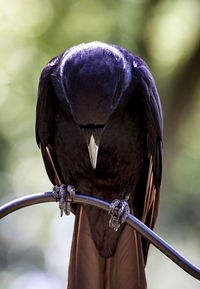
column 119, row 164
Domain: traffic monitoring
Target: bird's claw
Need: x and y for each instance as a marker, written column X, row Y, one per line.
column 65, row 195
column 119, row 211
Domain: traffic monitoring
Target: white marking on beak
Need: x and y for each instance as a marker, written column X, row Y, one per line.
column 93, row 151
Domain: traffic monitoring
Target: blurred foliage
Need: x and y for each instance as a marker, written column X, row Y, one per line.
column 34, row 242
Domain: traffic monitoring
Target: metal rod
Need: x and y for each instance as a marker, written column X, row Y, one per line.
column 147, row 233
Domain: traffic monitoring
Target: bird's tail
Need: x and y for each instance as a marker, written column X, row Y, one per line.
column 88, row 270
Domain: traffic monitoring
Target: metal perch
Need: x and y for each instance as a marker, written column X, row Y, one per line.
column 131, row 220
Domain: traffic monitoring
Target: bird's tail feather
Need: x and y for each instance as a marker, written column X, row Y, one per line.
column 87, row 269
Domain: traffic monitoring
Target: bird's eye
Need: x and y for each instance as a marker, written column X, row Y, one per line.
column 116, row 95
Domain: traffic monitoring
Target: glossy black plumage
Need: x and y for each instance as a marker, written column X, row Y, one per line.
column 105, row 91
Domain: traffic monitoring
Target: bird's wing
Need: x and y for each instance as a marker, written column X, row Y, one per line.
column 152, row 117
column 45, row 114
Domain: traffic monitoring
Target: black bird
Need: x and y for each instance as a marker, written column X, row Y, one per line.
column 99, row 127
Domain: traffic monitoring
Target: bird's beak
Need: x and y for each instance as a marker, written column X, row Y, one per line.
column 93, row 151
column 92, row 136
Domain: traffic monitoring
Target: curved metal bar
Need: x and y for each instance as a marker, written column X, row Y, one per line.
column 25, row 202
column 131, row 220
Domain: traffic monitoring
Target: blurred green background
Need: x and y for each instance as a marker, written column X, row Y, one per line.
column 35, row 242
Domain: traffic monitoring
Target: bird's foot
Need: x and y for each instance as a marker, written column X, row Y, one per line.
column 119, row 211
column 60, row 193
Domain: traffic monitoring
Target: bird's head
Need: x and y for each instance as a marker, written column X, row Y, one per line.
column 93, row 78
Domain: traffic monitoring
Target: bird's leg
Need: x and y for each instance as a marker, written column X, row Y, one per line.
column 61, row 193
column 119, row 210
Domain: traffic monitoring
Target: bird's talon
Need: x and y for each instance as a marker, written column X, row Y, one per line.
column 119, row 211
column 114, row 223
column 60, row 193
column 113, row 205
column 67, row 208
column 71, row 190
column 55, row 192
